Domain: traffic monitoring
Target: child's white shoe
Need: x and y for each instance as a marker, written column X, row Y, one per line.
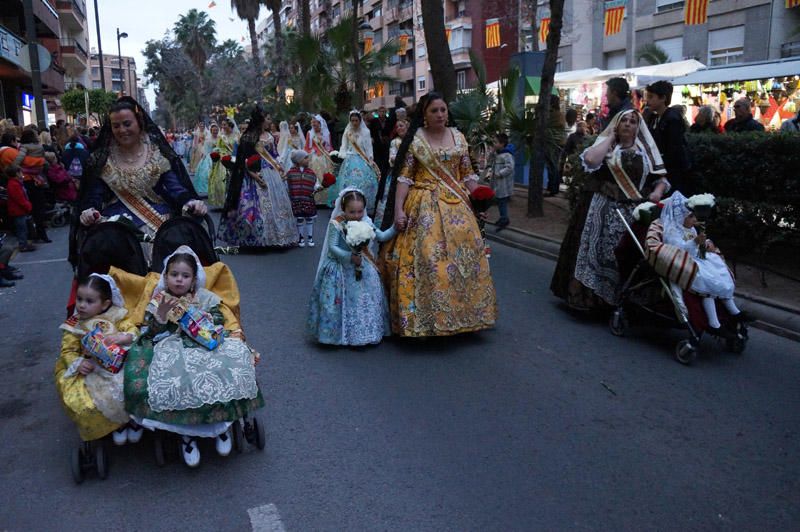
column 190, row 451
column 311, row 242
column 302, row 243
column 224, row 443
column 120, row 436
column 134, row 433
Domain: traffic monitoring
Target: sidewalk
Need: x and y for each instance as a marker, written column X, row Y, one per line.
column 776, row 306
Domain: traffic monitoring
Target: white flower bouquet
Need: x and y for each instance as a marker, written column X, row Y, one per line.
column 358, row 235
column 643, row 210
column 701, row 200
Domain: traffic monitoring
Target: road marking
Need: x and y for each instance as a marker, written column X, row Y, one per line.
column 266, row 519
column 46, row 261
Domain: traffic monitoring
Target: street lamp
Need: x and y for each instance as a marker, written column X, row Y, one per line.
column 122, row 35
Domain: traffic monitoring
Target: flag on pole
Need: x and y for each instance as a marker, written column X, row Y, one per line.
column 447, row 33
column 211, row 4
column 402, row 47
column 696, row 12
column 367, row 45
column 614, row 13
column 492, row 33
column 544, row 29
column 792, row 3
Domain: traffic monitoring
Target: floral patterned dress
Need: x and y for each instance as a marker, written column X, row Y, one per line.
column 320, row 161
column 438, row 277
column 218, row 175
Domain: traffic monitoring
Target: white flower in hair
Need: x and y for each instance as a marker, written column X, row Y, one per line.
column 358, row 233
column 642, row 207
column 701, row 200
column 334, row 153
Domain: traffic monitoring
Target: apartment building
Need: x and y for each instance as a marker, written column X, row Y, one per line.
column 401, row 20
column 120, row 77
column 737, row 31
column 74, row 41
column 16, row 87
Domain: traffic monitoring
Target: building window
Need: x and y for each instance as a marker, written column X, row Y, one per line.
column 95, row 71
column 726, row 46
column 460, row 38
column 673, row 47
column 668, row 5
column 421, row 83
column 461, row 80
column 615, row 60
column 462, row 8
column 96, row 84
column 420, row 51
column 116, row 74
column 116, row 86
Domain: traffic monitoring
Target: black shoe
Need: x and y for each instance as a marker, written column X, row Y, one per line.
column 44, row 240
column 501, row 226
column 743, row 317
column 9, row 275
column 11, row 268
column 722, row 332
column 27, row 248
column 5, row 283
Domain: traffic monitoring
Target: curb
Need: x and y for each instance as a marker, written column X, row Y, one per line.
column 771, row 316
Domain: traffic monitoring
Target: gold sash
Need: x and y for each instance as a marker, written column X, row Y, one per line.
column 269, row 158
column 369, row 161
column 322, row 149
column 422, row 151
column 623, row 180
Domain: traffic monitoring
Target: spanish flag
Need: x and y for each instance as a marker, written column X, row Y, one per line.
column 544, row 29
column 614, row 13
column 447, row 33
column 492, row 33
column 792, row 3
column 402, row 40
column 367, row 45
column 696, row 12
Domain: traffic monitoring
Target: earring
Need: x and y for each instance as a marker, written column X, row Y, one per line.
column 425, row 122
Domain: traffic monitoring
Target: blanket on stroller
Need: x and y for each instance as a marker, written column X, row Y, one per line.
column 669, row 261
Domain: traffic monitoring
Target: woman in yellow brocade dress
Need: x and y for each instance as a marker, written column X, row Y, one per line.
column 437, row 275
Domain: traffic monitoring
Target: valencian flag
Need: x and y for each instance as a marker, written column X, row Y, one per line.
column 402, row 40
column 696, row 12
column 367, row 45
column 492, row 33
column 792, row 3
column 447, row 33
column 614, row 13
column 544, row 29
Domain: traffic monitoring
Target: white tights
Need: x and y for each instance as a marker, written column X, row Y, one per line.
column 305, row 227
column 711, row 310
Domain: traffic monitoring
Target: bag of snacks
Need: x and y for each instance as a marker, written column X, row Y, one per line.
column 200, row 327
column 109, row 356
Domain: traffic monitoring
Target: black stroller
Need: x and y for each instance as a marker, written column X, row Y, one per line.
column 119, row 244
column 648, row 297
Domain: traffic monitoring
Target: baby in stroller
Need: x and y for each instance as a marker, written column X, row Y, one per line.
column 712, row 279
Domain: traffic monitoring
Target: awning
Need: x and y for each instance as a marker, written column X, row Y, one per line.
column 637, row 76
column 742, row 72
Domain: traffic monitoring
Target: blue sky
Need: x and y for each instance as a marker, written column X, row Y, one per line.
column 143, row 20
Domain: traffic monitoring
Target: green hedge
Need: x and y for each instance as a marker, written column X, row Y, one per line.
column 756, row 179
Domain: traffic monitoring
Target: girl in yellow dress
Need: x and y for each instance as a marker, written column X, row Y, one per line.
column 435, row 270
column 92, row 395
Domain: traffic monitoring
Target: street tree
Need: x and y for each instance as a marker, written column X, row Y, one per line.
column 535, row 199
column 358, row 92
column 275, row 7
column 248, row 10
column 197, row 34
column 74, row 103
column 305, row 17
column 442, row 69
column 653, row 54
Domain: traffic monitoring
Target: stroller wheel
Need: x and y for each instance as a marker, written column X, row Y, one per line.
column 260, row 434
column 685, row 352
column 58, row 220
column 76, row 464
column 618, row 323
column 238, row 436
column 101, row 460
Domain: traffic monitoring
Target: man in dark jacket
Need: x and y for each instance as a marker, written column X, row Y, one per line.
column 668, row 128
column 743, row 118
column 618, row 96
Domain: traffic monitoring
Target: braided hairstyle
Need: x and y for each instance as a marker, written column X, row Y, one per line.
column 417, row 121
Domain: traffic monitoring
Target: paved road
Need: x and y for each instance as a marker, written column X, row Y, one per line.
column 547, row 423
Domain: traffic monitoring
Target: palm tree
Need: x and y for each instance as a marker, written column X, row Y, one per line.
column 305, row 17
column 442, row 69
column 275, row 7
column 354, row 48
column 653, row 54
column 197, row 35
column 248, row 10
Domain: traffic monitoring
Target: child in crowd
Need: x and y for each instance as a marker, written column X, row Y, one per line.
column 301, row 181
column 348, row 305
column 19, row 206
column 713, row 279
column 90, row 392
column 188, row 374
column 501, row 165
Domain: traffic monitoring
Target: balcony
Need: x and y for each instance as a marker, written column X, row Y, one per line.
column 72, row 13
column 790, row 49
column 74, row 55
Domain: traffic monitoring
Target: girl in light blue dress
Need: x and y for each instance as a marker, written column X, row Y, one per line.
column 348, row 307
column 358, row 170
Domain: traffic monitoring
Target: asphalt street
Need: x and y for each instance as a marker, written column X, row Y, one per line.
column 547, row 422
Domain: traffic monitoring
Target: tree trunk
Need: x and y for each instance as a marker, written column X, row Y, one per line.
column 358, row 90
column 251, row 26
column 305, row 16
column 275, row 7
column 536, row 175
column 442, row 69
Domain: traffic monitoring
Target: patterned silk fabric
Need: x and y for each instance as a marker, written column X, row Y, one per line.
column 436, row 272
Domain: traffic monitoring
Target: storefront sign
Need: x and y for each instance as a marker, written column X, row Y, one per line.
column 11, row 47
